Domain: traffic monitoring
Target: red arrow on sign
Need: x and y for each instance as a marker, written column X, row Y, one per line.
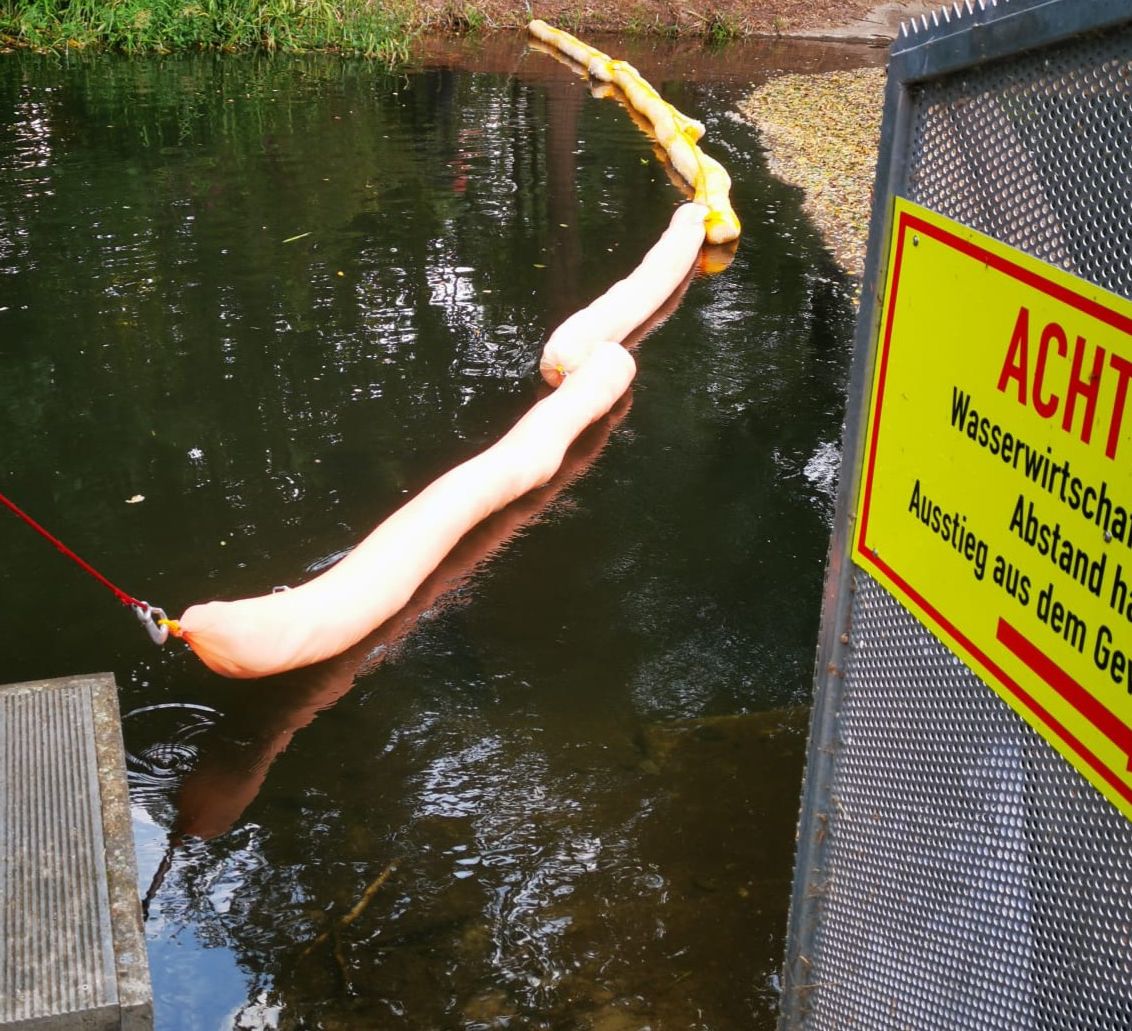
column 1106, row 721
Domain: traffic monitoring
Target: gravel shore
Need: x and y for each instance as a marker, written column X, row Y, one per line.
column 821, row 133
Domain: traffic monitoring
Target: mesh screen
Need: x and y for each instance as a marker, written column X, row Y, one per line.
column 1038, row 155
column 975, row 880
column 972, row 879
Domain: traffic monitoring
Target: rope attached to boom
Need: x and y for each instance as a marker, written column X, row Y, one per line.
column 154, row 620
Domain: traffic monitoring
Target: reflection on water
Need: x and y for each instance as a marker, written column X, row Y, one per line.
column 273, row 297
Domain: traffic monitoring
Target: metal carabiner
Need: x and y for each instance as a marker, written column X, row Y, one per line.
column 158, row 634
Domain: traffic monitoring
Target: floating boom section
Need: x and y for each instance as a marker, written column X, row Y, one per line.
column 273, row 633
column 628, row 303
column 678, row 134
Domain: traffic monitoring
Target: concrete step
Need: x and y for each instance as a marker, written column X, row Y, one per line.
column 72, row 951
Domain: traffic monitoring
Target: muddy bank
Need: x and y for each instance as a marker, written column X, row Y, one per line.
column 716, row 20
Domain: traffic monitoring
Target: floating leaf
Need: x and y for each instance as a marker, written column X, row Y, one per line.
column 135, row 499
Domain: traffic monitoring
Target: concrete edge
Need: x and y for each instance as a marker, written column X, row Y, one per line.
column 135, row 994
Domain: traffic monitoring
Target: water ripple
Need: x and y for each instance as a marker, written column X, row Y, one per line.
column 168, row 750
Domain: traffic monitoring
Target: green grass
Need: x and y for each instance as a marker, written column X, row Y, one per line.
column 366, row 27
column 718, row 30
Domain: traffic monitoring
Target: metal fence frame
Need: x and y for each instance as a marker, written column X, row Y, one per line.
column 937, row 46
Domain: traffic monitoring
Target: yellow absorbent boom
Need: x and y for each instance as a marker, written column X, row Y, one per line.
column 678, row 134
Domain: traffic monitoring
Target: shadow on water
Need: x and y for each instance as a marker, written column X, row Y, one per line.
column 272, row 297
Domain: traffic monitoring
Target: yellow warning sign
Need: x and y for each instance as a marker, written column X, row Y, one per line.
column 996, row 496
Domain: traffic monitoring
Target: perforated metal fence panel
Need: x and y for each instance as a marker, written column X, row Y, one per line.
column 953, row 870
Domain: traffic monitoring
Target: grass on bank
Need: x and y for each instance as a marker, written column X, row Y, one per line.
column 372, row 28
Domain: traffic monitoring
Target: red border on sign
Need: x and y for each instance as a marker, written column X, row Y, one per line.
column 1023, row 649
column 1035, row 280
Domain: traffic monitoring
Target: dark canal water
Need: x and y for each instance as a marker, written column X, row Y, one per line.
column 248, row 306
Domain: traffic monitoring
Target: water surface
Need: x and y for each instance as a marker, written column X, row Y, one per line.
column 247, row 307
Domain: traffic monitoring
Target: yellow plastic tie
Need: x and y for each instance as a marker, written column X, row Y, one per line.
column 173, row 626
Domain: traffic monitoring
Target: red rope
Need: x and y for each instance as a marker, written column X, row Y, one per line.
column 121, row 595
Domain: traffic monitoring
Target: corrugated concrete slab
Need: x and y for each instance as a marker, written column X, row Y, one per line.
column 72, row 952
